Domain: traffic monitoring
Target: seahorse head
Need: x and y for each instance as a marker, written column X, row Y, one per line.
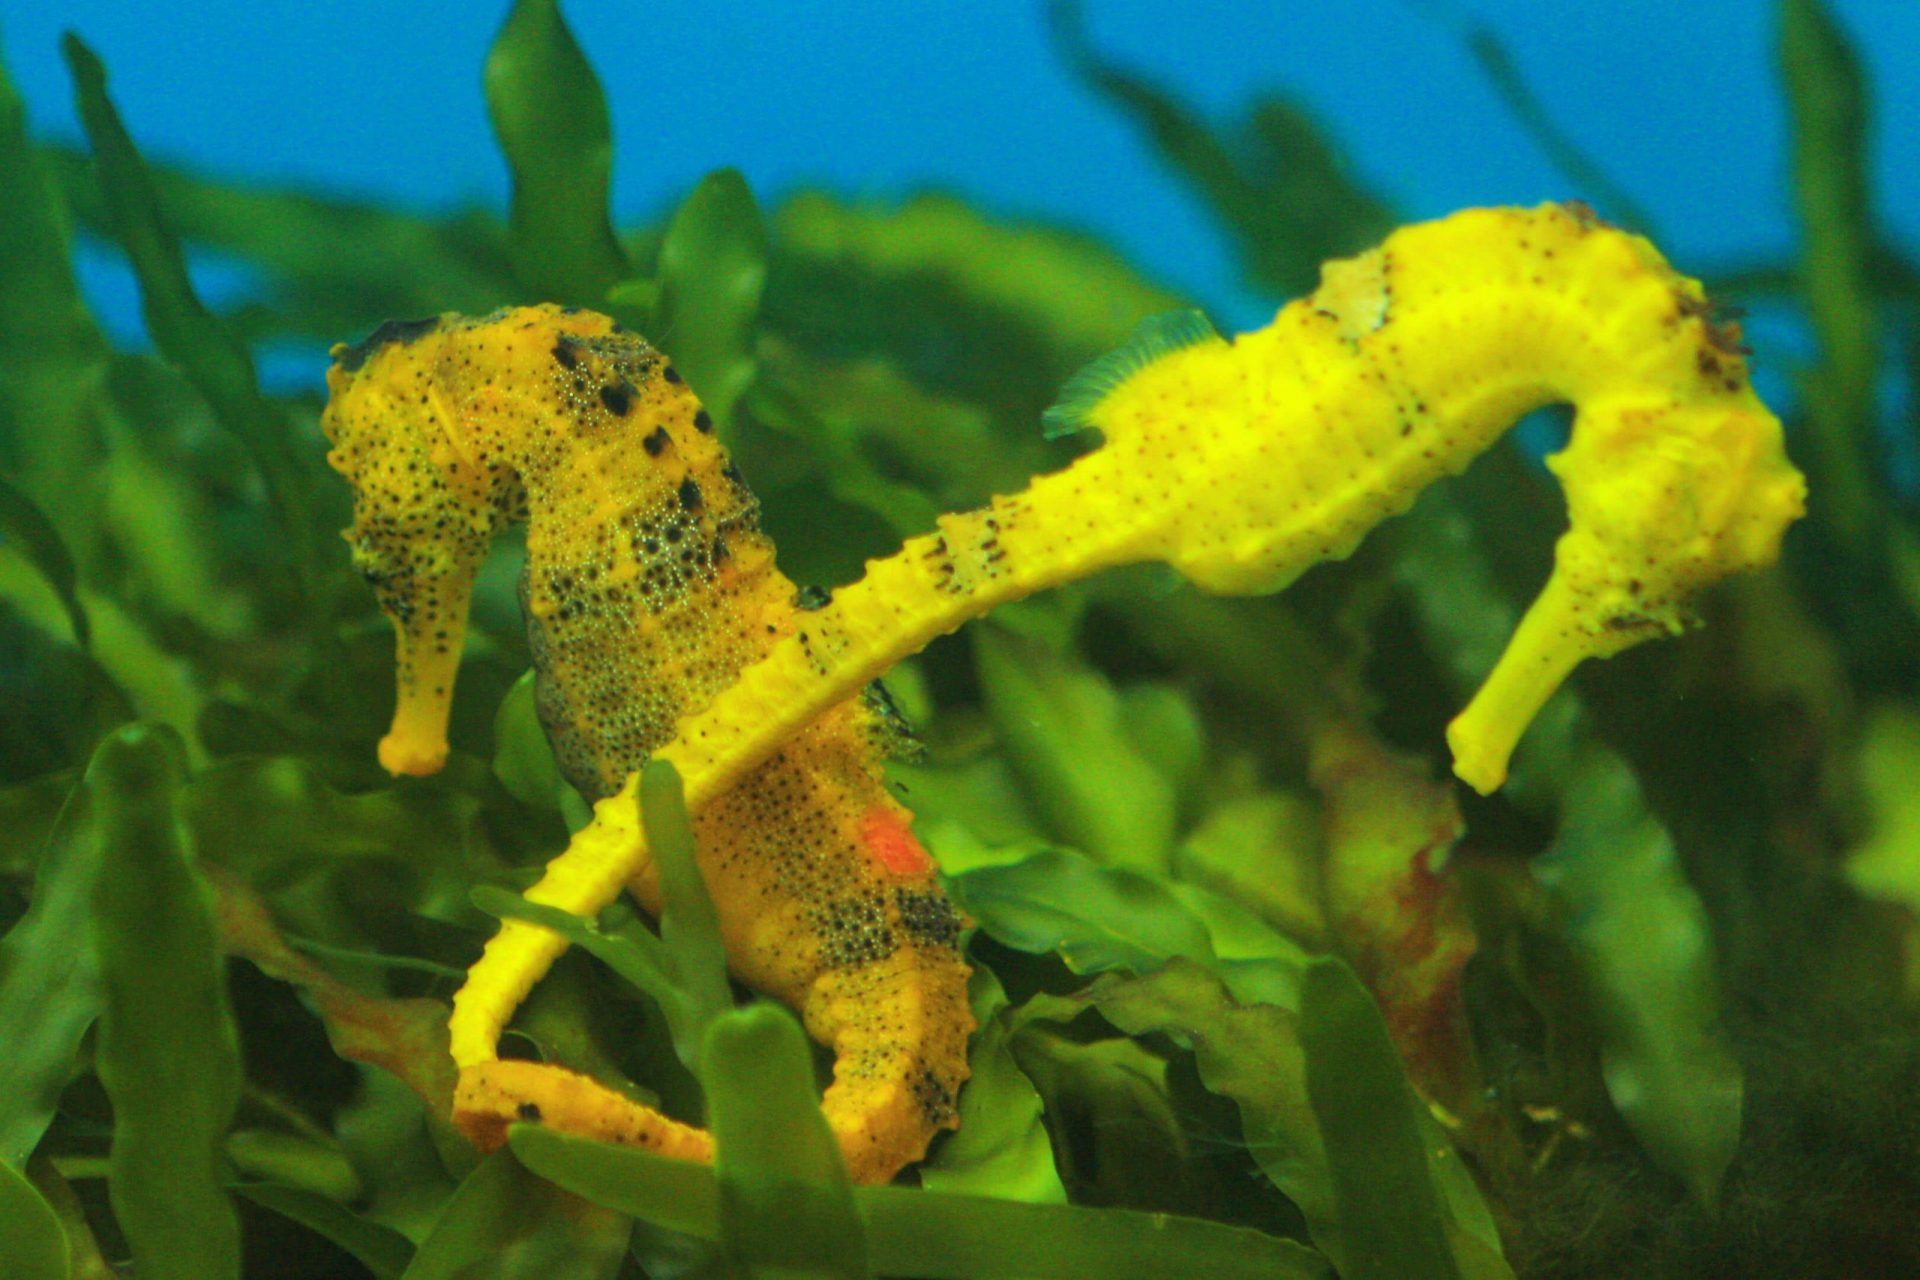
column 448, row 429
column 1676, row 477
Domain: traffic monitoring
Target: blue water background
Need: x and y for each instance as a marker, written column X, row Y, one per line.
column 382, row 101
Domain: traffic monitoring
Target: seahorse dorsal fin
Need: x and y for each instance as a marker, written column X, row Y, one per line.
column 1155, row 336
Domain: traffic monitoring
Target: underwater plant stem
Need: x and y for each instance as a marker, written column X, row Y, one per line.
column 1828, row 114
column 1503, row 74
column 192, row 338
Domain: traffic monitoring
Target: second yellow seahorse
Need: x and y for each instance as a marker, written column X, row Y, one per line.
column 1241, row 464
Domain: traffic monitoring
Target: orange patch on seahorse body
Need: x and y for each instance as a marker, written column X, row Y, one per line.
column 892, row 842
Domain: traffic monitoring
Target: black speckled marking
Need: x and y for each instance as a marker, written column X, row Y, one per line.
column 392, row 331
column 703, row 422
column 932, row 1096
column 928, row 917
column 690, row 496
column 618, row 397
column 890, row 732
column 853, row 932
column 809, row 598
column 656, row 442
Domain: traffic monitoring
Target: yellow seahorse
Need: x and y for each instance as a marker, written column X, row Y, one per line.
column 647, row 587
column 1244, row 463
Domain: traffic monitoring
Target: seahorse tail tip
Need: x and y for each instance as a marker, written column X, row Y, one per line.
column 878, row 1141
column 491, row 1096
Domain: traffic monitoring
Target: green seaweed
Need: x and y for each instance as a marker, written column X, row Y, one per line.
column 1002, row 1147
column 1063, row 729
column 212, row 358
column 55, row 356
column 31, row 1239
column 505, row 1223
column 49, row 980
column 713, row 265
column 684, row 970
column 929, row 1234
column 785, row 1203
column 550, row 117
column 1829, row 112
column 1647, row 955
column 402, row 264
column 1254, row 1055
column 382, row 1250
column 1383, row 1194
column 1098, row 919
column 1278, row 187
column 167, row 1056
column 689, row 928
column 1588, row 176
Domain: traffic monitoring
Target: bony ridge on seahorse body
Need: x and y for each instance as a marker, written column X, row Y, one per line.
column 1244, row 463
column 647, row 587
